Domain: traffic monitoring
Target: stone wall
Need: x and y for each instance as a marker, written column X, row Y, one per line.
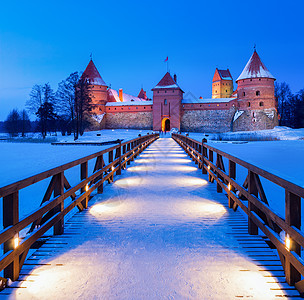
column 139, row 120
column 251, row 120
column 207, row 120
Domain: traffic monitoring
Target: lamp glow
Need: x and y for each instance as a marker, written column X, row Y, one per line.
column 208, row 167
column 16, row 242
column 112, row 168
column 86, row 187
column 287, row 242
column 229, row 187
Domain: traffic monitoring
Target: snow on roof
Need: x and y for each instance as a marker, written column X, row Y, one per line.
column 92, row 74
column 130, row 103
column 225, row 74
column 210, row 100
column 167, row 82
column 126, row 97
column 255, row 68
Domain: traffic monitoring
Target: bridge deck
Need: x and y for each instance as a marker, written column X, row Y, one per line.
column 159, row 231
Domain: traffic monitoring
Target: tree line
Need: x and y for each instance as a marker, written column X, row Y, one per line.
column 66, row 110
column 290, row 106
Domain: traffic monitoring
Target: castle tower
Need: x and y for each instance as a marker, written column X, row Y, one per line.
column 142, row 94
column 255, row 95
column 222, row 84
column 167, row 99
column 98, row 91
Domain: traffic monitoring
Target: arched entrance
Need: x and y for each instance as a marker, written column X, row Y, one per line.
column 166, row 124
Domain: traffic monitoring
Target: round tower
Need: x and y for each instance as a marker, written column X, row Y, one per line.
column 98, row 88
column 255, row 97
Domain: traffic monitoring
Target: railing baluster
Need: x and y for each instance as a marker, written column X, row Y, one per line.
column 59, row 190
column 252, row 189
column 84, row 175
column 292, row 218
column 11, row 217
column 232, row 175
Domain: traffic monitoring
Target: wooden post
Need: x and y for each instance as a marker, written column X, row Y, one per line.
column 252, row 189
column 128, row 149
column 211, row 160
column 11, row 217
column 84, row 175
column 100, row 187
column 292, row 218
column 204, row 171
column 59, row 190
column 111, row 160
column 119, row 159
column 218, row 187
column 232, row 174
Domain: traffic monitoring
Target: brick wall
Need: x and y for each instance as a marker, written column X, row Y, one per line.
column 139, row 120
column 207, row 120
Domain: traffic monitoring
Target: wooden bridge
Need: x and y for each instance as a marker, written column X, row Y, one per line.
column 153, row 228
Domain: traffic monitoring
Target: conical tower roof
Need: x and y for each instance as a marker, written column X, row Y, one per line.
column 255, row 69
column 93, row 75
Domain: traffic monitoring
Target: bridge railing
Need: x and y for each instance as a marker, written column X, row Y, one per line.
column 53, row 206
column 251, row 198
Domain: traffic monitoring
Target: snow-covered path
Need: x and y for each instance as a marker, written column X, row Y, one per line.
column 159, row 232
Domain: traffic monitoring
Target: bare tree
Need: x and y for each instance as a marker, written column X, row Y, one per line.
column 25, row 122
column 82, row 106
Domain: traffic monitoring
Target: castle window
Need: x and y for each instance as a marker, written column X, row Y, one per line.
column 165, row 102
column 248, row 104
column 115, row 108
column 244, row 94
column 257, row 93
column 165, row 91
column 216, row 91
column 157, row 92
column 129, row 107
column 200, row 105
column 217, row 105
column 226, row 91
column 261, row 103
column 173, row 91
column 144, row 107
column 250, row 79
column 136, row 107
column 259, row 79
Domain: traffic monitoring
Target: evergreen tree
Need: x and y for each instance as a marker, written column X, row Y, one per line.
column 12, row 123
column 284, row 95
column 25, row 125
column 47, row 117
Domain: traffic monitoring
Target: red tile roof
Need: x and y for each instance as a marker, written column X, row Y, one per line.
column 93, row 75
column 142, row 94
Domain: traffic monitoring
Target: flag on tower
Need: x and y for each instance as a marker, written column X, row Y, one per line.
column 166, row 59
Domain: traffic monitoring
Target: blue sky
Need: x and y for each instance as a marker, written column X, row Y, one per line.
column 45, row 41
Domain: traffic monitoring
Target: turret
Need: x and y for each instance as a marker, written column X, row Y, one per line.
column 167, row 99
column 255, row 85
column 222, row 84
column 98, row 88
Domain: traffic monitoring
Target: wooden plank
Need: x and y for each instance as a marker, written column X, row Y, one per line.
column 59, row 190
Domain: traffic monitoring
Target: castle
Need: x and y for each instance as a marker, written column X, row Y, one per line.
column 251, row 106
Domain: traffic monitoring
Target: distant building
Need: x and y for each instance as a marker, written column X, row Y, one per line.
column 250, row 107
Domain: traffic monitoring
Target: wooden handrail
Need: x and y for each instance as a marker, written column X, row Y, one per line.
column 260, row 215
column 52, row 210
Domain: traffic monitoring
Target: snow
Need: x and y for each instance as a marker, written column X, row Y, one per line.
column 98, row 118
column 247, row 73
column 158, row 232
column 97, row 81
column 210, row 100
column 282, row 158
column 237, row 115
column 172, row 86
column 126, row 97
column 131, row 103
column 22, row 160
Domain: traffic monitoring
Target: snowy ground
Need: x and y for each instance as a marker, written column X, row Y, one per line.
column 158, row 232
column 21, row 160
column 282, row 158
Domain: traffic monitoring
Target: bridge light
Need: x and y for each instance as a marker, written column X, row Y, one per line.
column 16, row 242
column 208, row 167
column 229, row 187
column 86, row 187
column 287, row 242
